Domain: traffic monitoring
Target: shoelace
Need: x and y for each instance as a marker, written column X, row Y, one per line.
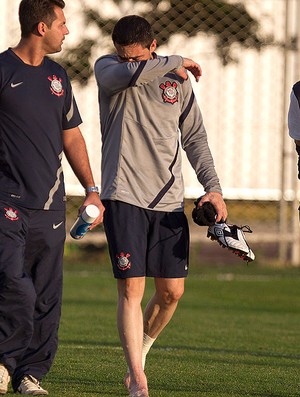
column 29, row 379
column 246, row 229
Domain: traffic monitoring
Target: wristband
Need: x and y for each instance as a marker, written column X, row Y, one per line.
column 92, row 189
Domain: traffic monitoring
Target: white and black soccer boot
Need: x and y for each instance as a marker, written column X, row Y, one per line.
column 233, row 238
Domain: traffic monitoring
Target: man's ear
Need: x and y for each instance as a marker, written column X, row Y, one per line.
column 153, row 46
column 42, row 28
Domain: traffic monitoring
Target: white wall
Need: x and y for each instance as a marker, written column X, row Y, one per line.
column 243, row 104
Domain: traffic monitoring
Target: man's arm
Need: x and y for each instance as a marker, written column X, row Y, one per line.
column 77, row 156
column 115, row 76
column 194, row 142
column 297, row 142
column 294, row 119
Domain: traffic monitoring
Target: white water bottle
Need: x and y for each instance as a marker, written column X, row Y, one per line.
column 84, row 221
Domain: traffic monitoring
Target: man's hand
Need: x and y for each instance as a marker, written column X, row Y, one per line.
column 93, row 198
column 217, row 201
column 192, row 67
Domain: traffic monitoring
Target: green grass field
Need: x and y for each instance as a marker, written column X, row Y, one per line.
column 236, row 333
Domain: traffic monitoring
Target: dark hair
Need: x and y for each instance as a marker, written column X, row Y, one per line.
column 133, row 29
column 32, row 12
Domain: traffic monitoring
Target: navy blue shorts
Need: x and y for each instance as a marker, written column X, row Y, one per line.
column 145, row 242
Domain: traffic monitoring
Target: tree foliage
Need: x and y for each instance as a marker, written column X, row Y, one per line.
column 228, row 23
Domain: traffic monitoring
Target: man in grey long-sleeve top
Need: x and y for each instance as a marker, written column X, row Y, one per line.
column 147, row 109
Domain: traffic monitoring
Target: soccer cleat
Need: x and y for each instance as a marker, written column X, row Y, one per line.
column 233, row 238
column 30, row 385
column 4, row 379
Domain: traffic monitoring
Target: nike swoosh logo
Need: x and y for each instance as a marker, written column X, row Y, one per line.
column 56, row 226
column 14, row 85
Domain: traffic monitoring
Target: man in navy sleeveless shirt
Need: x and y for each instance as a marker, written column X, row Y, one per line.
column 38, row 122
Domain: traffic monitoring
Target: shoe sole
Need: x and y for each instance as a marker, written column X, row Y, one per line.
column 241, row 254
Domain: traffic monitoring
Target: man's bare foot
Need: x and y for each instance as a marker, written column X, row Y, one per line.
column 139, row 389
column 135, row 393
column 139, row 393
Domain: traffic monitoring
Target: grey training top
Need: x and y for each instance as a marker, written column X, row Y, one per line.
column 145, row 110
column 294, row 112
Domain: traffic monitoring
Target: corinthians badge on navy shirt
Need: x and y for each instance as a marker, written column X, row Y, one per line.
column 11, row 214
column 170, row 93
column 56, row 86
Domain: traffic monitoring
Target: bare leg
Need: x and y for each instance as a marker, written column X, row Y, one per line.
column 162, row 305
column 147, row 343
column 160, row 309
column 130, row 327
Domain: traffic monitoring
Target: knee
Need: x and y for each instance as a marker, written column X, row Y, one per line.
column 172, row 296
column 18, row 288
column 131, row 289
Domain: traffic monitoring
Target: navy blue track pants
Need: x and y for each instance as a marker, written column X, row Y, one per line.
column 31, row 254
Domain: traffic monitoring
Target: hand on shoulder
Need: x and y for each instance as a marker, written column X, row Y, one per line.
column 192, row 67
